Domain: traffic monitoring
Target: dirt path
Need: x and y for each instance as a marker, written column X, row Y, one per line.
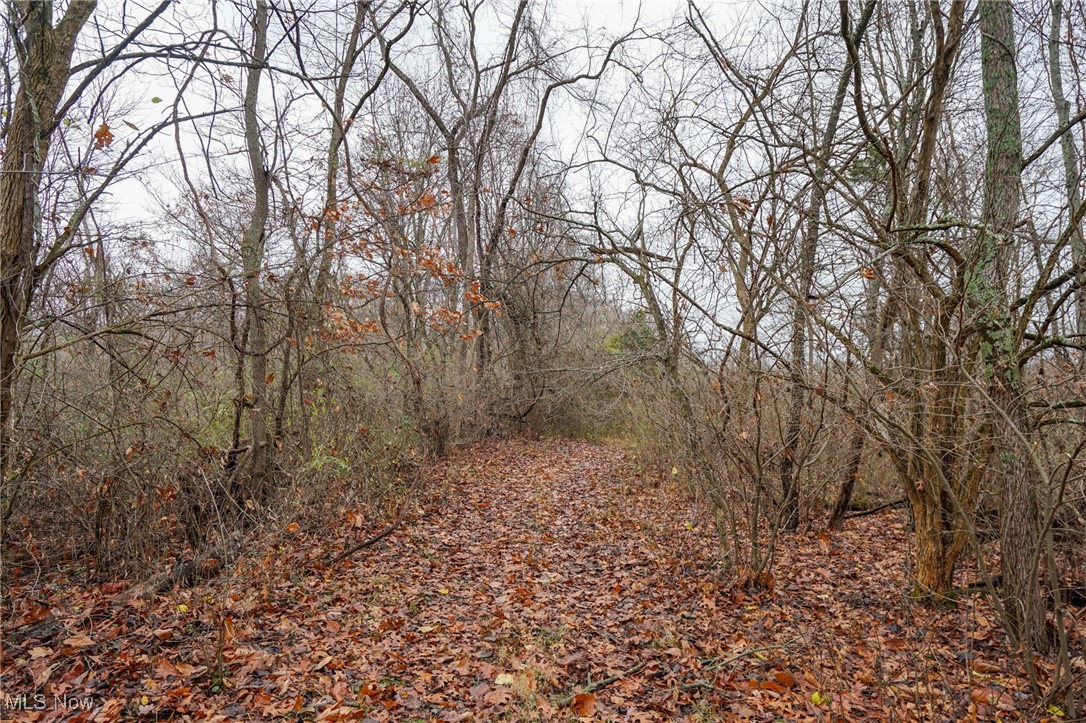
column 533, row 580
column 550, row 584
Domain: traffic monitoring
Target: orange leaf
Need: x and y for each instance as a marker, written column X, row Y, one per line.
column 432, row 160
column 103, row 137
column 229, row 631
column 785, row 679
column 583, row 704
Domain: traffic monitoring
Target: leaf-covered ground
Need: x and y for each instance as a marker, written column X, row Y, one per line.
column 551, row 583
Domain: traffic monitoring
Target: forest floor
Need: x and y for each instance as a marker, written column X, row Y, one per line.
column 550, row 583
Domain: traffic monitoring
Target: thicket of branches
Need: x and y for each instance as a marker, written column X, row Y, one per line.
column 261, row 258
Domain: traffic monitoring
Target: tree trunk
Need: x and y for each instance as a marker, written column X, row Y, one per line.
column 261, row 461
column 1020, row 522
column 44, row 70
column 934, row 565
column 1070, row 170
column 935, row 425
column 852, row 473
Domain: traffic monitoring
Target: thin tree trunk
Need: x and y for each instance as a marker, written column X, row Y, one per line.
column 1070, row 168
column 797, row 373
column 252, row 253
column 935, row 421
column 848, row 486
column 876, row 344
column 328, row 230
column 329, row 226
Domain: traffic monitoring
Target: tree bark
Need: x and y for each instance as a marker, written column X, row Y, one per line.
column 936, row 478
column 1020, row 522
column 1070, row 169
column 261, row 460
column 934, row 564
column 852, row 474
column 44, row 71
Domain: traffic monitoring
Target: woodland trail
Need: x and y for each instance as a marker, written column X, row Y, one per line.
column 550, row 583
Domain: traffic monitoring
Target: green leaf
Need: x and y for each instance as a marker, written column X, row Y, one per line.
column 818, row 699
column 156, row 99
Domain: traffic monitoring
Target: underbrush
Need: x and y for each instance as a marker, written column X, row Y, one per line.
column 102, row 515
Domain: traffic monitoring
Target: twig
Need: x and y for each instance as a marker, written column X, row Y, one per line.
column 720, row 663
column 593, row 687
column 371, row 541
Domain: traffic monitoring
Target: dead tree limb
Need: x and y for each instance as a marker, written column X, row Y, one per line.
column 371, row 541
column 593, row 687
column 874, row 510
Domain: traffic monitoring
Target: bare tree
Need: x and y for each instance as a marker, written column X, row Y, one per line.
column 44, row 49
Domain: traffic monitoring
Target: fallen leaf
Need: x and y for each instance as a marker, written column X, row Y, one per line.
column 583, row 704
column 82, row 640
column 785, row 679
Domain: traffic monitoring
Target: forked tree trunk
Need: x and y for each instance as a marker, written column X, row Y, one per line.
column 937, row 492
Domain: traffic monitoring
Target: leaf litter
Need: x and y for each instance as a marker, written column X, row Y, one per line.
column 551, row 582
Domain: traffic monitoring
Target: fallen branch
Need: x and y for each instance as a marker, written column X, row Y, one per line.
column 873, row 510
column 371, row 541
column 718, row 663
column 593, row 687
column 184, row 574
